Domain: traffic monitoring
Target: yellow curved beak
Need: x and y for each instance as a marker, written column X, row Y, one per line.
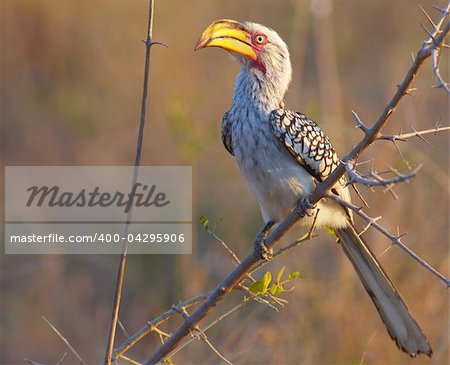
column 229, row 35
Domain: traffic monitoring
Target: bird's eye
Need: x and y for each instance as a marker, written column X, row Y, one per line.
column 260, row 39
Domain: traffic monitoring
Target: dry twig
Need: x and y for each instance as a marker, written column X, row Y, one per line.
column 31, row 362
column 212, row 324
column 69, row 346
column 131, row 361
column 202, row 336
column 403, row 137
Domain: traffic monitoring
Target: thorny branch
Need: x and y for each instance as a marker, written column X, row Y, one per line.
column 153, row 324
column 371, row 134
column 396, row 240
column 436, row 53
column 374, row 179
column 435, row 41
column 435, row 57
column 213, row 323
column 403, row 137
column 123, row 257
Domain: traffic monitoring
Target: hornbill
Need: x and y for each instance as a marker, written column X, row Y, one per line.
column 284, row 154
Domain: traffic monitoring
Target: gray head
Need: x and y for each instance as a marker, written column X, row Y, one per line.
column 263, row 55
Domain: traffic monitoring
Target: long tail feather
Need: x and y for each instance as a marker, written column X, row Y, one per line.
column 401, row 326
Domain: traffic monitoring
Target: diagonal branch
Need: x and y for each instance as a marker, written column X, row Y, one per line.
column 371, row 134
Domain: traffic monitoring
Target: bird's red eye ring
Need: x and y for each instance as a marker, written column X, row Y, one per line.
column 260, row 39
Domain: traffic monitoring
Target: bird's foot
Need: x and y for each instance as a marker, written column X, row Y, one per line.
column 261, row 248
column 305, row 207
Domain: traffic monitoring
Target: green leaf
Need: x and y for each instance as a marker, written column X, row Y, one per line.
column 279, row 289
column 266, row 281
column 257, row 287
column 276, row 289
column 204, row 221
column 294, row 275
column 280, row 274
column 260, row 287
column 273, row 289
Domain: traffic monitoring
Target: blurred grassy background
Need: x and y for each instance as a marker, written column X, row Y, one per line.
column 71, row 86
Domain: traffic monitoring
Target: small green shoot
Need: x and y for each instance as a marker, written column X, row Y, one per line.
column 265, row 286
column 204, row 221
column 260, row 287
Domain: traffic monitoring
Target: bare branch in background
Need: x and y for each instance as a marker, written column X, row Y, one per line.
column 213, row 233
column 122, row 327
column 31, row 362
column 137, row 161
column 202, row 336
column 62, row 359
column 69, row 346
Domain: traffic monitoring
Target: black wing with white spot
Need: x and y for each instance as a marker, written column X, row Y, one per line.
column 305, row 141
